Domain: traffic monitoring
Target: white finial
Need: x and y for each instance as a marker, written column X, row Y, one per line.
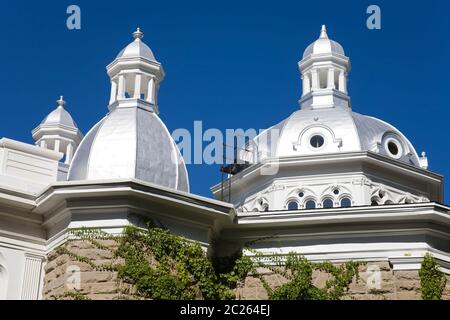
column 61, row 103
column 138, row 34
column 323, row 32
column 424, row 154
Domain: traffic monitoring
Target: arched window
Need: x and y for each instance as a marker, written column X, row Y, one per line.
column 292, row 205
column 374, row 202
column 327, row 203
column 346, row 203
column 310, row 204
column 3, row 282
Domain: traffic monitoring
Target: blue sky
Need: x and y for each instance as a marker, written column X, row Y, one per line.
column 231, row 64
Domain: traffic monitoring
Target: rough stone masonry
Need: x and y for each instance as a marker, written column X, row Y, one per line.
column 97, row 282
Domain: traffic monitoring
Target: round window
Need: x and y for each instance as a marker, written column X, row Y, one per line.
column 393, row 148
column 317, row 141
column 301, row 194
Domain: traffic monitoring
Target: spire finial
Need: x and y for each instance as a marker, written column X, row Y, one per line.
column 323, row 32
column 61, row 103
column 138, row 34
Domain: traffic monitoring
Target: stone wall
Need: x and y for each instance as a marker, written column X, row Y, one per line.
column 68, row 277
column 377, row 281
column 83, row 271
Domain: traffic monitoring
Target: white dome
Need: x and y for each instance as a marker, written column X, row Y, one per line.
column 338, row 130
column 137, row 48
column 130, row 143
column 324, row 45
column 59, row 116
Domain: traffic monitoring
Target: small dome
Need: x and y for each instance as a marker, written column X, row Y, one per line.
column 324, row 45
column 59, row 116
column 137, row 48
column 333, row 130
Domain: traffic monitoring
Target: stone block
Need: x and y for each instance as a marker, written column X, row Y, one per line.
column 104, row 288
column 97, row 276
column 407, row 285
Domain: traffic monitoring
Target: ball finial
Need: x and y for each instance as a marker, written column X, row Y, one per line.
column 61, row 102
column 138, row 34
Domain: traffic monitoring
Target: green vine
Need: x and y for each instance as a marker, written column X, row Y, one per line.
column 299, row 274
column 161, row 265
column 432, row 280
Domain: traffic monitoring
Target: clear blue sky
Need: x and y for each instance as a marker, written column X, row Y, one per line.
column 231, row 64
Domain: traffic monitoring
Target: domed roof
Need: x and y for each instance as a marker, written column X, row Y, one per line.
column 130, row 143
column 137, row 48
column 59, row 116
column 324, row 45
column 333, row 130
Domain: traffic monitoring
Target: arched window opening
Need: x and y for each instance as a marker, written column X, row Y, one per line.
column 292, row 205
column 3, row 283
column 374, row 202
column 310, row 204
column 346, row 203
column 327, row 203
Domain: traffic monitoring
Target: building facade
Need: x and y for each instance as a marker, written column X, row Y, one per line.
column 327, row 182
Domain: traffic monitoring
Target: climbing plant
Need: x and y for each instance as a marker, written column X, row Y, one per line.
column 161, row 265
column 432, row 280
column 165, row 266
column 299, row 274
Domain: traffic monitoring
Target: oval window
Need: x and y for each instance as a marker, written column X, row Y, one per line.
column 393, row 148
column 317, row 141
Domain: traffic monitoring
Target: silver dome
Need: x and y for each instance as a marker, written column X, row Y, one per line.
column 137, row 48
column 130, row 143
column 342, row 130
column 59, row 116
column 324, row 45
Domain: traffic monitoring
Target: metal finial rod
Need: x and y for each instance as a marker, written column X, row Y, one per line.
column 323, row 32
